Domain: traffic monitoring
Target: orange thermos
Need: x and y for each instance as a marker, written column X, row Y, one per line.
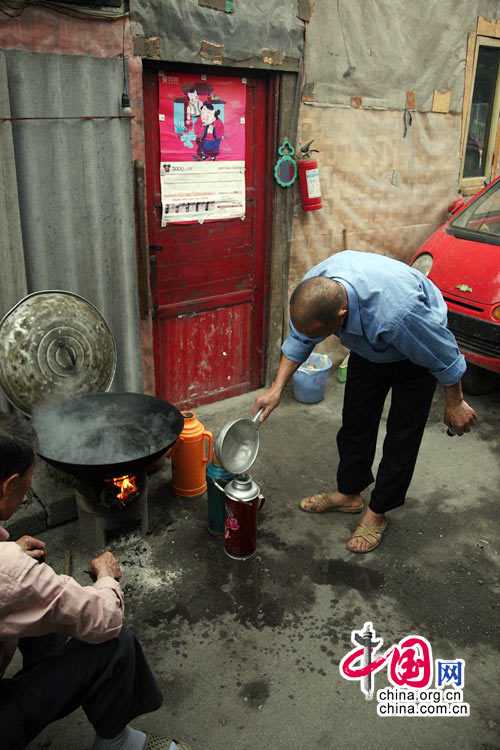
column 190, row 455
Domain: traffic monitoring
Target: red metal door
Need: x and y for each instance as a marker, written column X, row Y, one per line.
column 209, row 280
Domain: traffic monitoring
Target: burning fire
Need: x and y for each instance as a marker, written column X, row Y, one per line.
column 127, row 486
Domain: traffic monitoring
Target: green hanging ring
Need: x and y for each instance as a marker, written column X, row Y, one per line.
column 285, row 169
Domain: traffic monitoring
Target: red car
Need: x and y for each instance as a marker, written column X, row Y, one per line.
column 463, row 259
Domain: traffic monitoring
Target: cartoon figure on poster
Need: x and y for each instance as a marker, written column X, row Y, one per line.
column 209, row 131
column 199, row 120
column 193, row 107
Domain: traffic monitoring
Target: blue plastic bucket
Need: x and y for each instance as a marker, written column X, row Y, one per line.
column 309, row 381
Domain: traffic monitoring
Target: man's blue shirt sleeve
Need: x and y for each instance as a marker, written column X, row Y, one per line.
column 425, row 340
column 298, row 347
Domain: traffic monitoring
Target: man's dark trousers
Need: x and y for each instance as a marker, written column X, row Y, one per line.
column 111, row 681
column 366, row 389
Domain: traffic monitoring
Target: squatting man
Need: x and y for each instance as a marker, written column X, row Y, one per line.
column 394, row 322
column 75, row 648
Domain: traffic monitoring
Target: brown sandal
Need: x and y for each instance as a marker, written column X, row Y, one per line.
column 371, row 534
column 321, row 504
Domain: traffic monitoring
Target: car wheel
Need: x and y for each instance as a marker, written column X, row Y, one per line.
column 477, row 381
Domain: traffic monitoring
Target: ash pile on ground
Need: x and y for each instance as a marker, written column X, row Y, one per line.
column 140, row 576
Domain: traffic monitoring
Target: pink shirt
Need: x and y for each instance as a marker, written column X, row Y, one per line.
column 35, row 601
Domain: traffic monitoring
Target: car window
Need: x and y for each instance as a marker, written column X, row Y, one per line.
column 483, row 215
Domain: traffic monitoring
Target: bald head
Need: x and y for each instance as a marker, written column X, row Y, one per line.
column 318, row 305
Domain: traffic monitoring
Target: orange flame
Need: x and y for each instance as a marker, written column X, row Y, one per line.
column 127, row 486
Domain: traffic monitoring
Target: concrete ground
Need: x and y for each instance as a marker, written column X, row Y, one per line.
column 247, row 653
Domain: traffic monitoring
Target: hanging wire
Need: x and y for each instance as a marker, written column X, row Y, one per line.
column 17, row 10
column 125, row 94
column 407, row 121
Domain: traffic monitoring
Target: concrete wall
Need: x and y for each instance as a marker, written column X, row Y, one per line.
column 386, row 186
column 388, row 192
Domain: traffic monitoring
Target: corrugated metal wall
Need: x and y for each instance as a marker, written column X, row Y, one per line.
column 75, row 187
column 12, row 276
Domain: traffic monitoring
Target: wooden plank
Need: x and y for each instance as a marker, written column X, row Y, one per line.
column 468, row 88
column 305, row 9
column 286, row 117
column 141, row 241
column 471, row 186
column 441, row 101
column 487, row 27
column 496, row 154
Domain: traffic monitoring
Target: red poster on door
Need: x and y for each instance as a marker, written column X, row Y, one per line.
column 202, row 147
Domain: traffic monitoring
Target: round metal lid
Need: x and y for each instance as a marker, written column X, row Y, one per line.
column 54, row 343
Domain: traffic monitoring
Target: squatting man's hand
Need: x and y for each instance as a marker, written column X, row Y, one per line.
column 35, row 548
column 105, row 564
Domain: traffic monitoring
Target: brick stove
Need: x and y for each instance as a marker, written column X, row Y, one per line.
column 112, row 507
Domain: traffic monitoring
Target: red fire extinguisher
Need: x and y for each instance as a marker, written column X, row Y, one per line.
column 309, row 185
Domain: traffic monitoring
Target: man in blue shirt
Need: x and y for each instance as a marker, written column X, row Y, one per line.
column 394, row 321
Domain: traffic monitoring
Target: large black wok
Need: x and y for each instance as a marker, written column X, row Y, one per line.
column 104, row 435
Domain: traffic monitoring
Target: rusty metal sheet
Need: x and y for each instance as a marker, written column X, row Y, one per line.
column 152, row 48
column 186, row 28
column 274, row 57
column 212, row 52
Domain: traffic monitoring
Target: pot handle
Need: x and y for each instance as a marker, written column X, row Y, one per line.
column 256, row 419
column 209, row 446
column 262, row 500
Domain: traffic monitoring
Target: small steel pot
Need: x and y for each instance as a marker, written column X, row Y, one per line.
column 237, row 444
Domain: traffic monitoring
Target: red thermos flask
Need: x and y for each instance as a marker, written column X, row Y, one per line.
column 243, row 501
